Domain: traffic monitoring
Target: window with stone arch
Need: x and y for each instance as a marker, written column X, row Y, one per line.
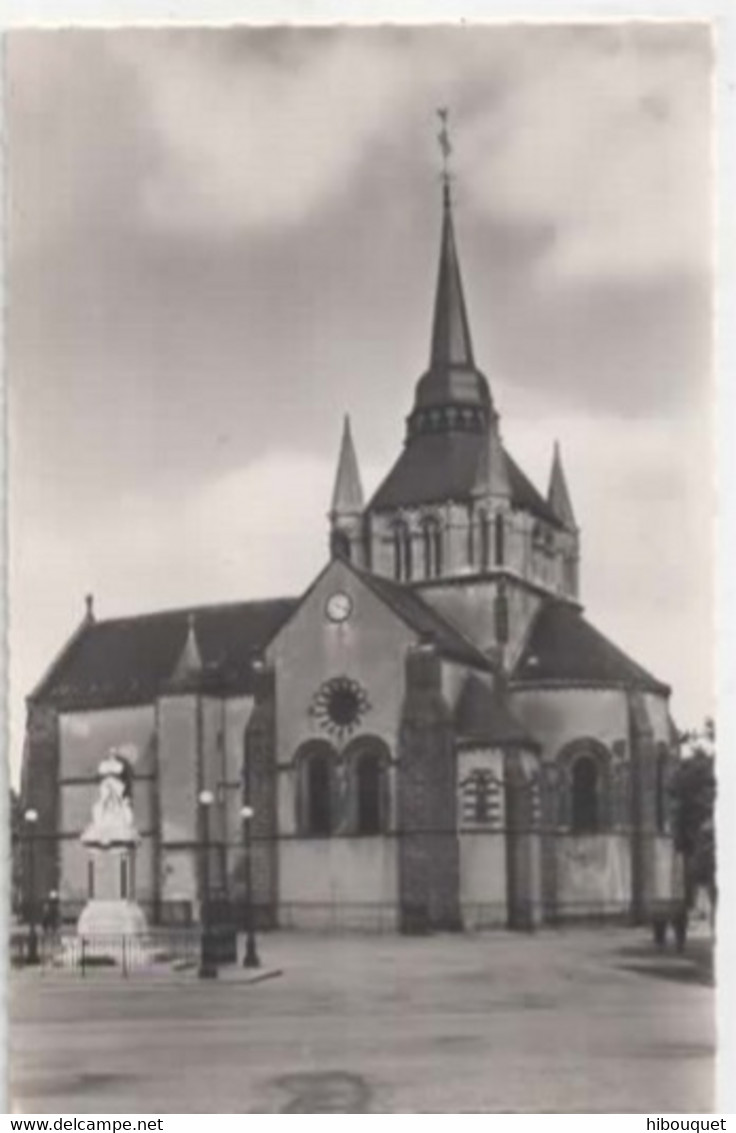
column 316, row 789
column 585, row 816
column 499, row 539
column 402, row 548
column 484, row 531
column 585, row 787
column 432, row 547
column 367, row 759
column 368, row 794
column 340, row 544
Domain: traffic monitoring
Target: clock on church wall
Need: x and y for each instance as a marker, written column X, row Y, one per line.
column 339, row 607
column 340, row 706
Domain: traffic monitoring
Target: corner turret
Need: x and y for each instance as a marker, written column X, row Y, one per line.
column 346, row 511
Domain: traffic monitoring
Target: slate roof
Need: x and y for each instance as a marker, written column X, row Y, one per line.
column 128, row 660
column 483, row 714
column 426, row 621
column 434, row 467
column 564, row 647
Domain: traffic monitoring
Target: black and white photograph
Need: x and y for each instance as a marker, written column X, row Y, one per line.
column 361, row 493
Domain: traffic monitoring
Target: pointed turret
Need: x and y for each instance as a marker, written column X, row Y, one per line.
column 189, row 666
column 558, row 495
column 451, row 344
column 492, row 477
column 347, row 496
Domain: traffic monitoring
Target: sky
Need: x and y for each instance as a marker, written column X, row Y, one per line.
column 221, row 241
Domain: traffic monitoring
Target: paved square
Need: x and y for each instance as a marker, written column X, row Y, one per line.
column 573, row 1020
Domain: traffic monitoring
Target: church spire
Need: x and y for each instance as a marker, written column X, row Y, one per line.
column 451, row 345
column 558, row 495
column 452, row 395
column 347, row 495
column 189, row 666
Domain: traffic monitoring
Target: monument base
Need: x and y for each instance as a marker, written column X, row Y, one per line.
column 110, row 932
column 111, row 918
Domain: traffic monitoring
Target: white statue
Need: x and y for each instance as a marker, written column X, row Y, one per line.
column 112, row 815
column 112, row 914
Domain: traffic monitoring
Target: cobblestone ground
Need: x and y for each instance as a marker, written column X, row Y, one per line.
column 567, row 1021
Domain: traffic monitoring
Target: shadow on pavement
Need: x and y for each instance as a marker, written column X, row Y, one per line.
column 331, row 1092
column 693, row 966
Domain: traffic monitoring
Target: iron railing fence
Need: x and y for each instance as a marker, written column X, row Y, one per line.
column 165, row 949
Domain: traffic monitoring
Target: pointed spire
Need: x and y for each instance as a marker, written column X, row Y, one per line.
column 451, row 345
column 492, row 477
column 190, row 659
column 558, row 495
column 347, row 496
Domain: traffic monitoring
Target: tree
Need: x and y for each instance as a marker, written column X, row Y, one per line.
column 694, row 791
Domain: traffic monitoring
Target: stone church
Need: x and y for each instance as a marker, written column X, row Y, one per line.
column 432, row 736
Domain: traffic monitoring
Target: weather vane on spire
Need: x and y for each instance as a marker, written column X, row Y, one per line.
column 446, row 149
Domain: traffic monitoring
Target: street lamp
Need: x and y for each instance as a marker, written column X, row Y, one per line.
column 207, row 968
column 31, row 818
column 250, row 960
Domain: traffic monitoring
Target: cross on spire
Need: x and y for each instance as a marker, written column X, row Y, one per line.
column 443, row 138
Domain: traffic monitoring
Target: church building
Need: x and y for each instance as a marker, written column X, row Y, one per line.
column 433, row 736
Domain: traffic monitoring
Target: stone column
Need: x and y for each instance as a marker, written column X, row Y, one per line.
column 429, row 867
column 260, row 768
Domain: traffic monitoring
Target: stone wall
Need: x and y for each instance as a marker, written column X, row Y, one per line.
column 40, row 792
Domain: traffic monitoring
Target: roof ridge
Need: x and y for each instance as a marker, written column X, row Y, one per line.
column 184, row 611
column 561, row 654
column 398, row 588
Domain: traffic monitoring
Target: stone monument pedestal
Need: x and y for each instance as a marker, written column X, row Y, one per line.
column 111, row 914
column 112, row 923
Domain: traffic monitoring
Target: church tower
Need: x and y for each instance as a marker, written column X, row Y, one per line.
column 456, row 518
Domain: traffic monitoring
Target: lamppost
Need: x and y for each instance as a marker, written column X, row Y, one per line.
column 207, row 968
column 251, row 959
column 31, row 818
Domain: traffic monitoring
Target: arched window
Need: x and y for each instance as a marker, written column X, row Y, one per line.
column 661, row 791
column 398, row 553
column 500, row 540
column 585, row 818
column 402, row 552
column 319, row 794
column 501, row 610
column 368, row 775
column 432, row 547
column 340, row 545
column 484, row 525
column 367, row 759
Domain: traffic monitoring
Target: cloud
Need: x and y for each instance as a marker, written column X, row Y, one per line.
column 192, row 258
column 261, row 531
column 601, row 136
column 646, row 507
column 263, row 134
